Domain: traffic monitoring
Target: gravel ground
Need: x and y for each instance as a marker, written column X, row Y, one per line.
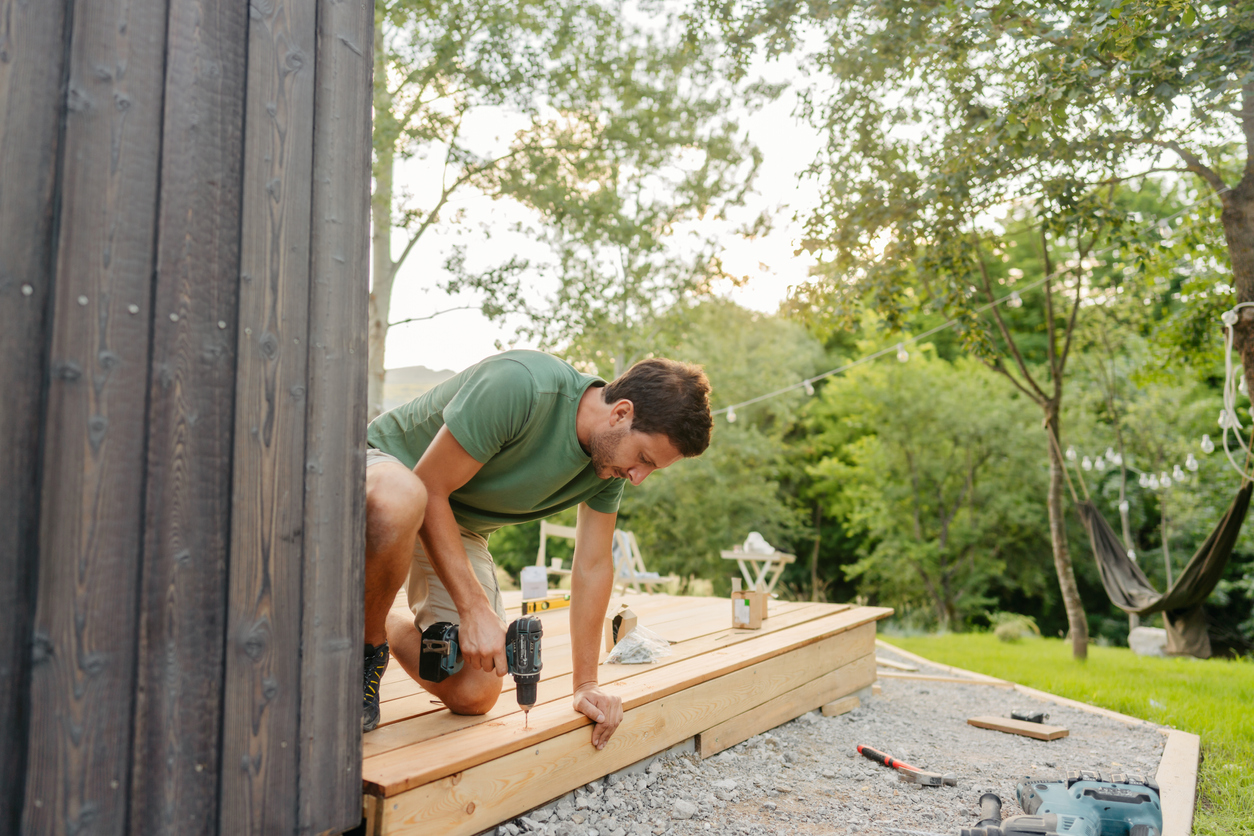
column 805, row 777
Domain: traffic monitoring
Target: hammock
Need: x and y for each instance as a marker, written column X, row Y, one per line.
column 1181, row 606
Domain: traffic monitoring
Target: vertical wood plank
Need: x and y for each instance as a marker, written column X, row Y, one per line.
column 335, row 478
column 175, row 766
column 32, row 60
column 82, row 676
column 262, row 689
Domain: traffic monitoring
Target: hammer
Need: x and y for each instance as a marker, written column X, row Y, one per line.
column 906, row 772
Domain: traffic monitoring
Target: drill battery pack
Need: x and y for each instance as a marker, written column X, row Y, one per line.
column 1114, row 804
column 440, row 657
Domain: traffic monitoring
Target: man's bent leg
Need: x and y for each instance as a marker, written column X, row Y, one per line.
column 468, row 691
column 396, row 503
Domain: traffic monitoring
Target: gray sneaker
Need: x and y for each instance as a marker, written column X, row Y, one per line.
column 376, row 664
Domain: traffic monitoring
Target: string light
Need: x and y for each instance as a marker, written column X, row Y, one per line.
column 1087, row 464
column 1071, row 454
column 1099, row 464
column 809, row 388
column 1014, row 300
column 1208, row 446
column 731, row 414
column 902, row 354
column 1177, row 473
column 1191, row 463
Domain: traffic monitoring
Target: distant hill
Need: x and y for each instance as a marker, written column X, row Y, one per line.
column 403, row 385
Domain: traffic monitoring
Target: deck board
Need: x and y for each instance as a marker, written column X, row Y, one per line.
column 442, row 772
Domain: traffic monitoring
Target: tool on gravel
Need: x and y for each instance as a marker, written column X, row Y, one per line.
column 1085, row 804
column 1029, row 715
column 440, row 657
column 908, row 773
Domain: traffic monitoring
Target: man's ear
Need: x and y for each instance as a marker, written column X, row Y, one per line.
column 622, row 410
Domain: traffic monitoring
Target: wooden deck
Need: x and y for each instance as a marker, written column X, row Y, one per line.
column 427, row 770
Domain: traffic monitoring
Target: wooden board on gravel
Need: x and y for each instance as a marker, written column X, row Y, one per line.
column 1039, row 731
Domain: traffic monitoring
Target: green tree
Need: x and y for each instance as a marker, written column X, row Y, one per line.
column 928, row 462
column 637, row 238
column 942, row 115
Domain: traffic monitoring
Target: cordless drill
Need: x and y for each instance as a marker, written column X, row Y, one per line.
column 441, row 657
column 1086, row 804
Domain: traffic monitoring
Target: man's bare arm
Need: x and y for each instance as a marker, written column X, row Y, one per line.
column 444, row 468
column 591, row 583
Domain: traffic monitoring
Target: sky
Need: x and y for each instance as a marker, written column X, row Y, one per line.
column 460, row 338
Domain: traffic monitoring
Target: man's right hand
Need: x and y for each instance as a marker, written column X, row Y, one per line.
column 481, row 638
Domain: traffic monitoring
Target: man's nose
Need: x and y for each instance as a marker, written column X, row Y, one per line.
column 639, row 473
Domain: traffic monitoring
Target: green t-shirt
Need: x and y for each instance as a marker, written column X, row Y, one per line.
column 515, row 414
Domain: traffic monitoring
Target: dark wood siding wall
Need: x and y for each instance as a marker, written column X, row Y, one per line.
column 183, row 230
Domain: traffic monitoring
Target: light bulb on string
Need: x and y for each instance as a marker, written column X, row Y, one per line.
column 902, row 354
column 1242, row 387
column 1177, row 473
column 1191, row 462
column 809, row 388
column 1208, row 446
column 731, row 414
column 1164, row 479
column 1099, row 464
column 1124, row 506
column 1225, row 419
column 1152, row 482
column 1014, row 300
column 1143, row 481
column 1111, row 455
column 1071, row 454
column 1132, row 555
column 1087, row 464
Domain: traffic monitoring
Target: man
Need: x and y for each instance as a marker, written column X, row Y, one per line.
column 517, row 437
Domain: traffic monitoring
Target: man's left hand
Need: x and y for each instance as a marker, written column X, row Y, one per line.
column 602, row 708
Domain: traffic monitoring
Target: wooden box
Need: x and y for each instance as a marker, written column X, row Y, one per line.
column 748, row 607
column 617, row 625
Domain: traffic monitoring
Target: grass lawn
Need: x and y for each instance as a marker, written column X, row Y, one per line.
column 1214, row 699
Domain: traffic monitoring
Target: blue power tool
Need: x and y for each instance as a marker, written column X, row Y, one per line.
column 1085, row 804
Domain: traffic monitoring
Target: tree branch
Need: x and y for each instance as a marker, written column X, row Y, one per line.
column 434, row 315
column 1001, row 325
column 1075, row 306
column 1051, row 350
column 1194, row 164
column 433, row 215
column 1000, row 368
column 1247, row 127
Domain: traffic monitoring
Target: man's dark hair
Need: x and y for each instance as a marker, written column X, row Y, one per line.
column 670, row 398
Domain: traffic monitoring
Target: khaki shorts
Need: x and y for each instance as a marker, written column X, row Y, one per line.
column 428, row 599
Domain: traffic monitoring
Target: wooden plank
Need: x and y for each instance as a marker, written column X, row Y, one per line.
column 191, row 398
column 841, row 706
column 925, row 677
column 477, row 798
column 92, row 467
column 833, row 684
column 556, row 681
column 889, row 663
column 262, row 685
column 335, row 441
column 1037, row 731
column 411, row 766
column 32, row 64
column 1177, row 782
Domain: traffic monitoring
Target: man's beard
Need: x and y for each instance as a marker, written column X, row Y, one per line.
column 603, row 449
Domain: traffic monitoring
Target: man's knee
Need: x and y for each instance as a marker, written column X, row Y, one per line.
column 476, row 699
column 396, row 503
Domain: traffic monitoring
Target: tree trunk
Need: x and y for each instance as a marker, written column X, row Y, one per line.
column 1076, row 619
column 380, row 305
column 1238, row 223
column 385, row 137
